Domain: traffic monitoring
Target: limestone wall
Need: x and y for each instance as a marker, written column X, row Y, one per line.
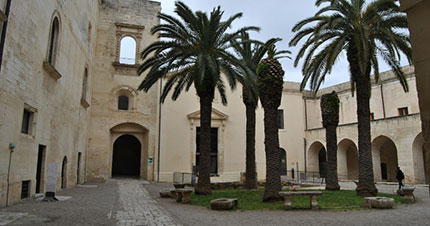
column 117, row 19
column 178, row 133
column 60, row 121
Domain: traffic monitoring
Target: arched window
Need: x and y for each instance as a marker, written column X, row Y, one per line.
column 53, row 41
column 123, row 103
column 127, row 54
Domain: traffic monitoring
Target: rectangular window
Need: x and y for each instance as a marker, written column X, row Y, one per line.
column 372, row 116
column 214, row 150
column 84, row 85
column 27, row 120
column 281, row 118
column 25, row 189
column 403, row 111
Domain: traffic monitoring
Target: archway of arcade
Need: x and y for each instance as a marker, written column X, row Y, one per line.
column 317, row 160
column 385, row 162
column 418, row 155
column 347, row 160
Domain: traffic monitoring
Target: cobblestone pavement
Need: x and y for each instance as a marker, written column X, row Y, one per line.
column 118, row 202
column 138, row 208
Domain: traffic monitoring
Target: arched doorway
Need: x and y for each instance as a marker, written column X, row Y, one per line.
column 387, row 158
column 283, row 161
column 419, row 159
column 317, row 160
column 64, row 173
column 347, row 160
column 322, row 160
column 126, row 156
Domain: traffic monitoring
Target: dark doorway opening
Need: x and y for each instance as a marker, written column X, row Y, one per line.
column 126, row 156
column 64, row 173
column 78, row 169
column 322, row 159
column 214, row 150
column 283, row 161
column 39, row 169
column 384, row 173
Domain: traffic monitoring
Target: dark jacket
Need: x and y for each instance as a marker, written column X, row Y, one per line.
column 400, row 175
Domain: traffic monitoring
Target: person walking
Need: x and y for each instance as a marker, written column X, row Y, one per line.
column 400, row 176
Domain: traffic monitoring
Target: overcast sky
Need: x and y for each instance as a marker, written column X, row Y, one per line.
column 275, row 18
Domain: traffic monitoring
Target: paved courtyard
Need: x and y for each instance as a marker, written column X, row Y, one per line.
column 126, row 202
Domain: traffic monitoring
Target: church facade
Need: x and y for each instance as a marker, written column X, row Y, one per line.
column 70, row 111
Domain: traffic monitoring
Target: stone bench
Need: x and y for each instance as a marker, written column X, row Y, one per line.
column 183, row 195
column 223, row 204
column 313, row 198
column 379, row 202
column 165, row 193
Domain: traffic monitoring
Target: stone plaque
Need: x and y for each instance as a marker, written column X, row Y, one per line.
column 51, row 180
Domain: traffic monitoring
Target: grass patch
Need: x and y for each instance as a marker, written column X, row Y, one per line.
column 252, row 200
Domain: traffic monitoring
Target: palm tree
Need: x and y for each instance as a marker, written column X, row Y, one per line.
column 193, row 51
column 363, row 31
column 270, row 84
column 330, row 116
column 250, row 53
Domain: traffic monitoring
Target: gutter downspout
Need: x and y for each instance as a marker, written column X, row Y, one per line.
column 383, row 102
column 159, row 133
column 3, row 33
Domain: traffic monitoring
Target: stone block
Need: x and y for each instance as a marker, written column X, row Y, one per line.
column 165, row 193
column 224, row 204
column 379, row 202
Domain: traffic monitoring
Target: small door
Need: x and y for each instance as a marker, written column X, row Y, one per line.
column 64, row 173
column 283, row 162
column 384, row 173
column 39, row 169
column 78, row 169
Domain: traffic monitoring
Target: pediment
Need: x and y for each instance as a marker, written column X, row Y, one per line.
column 216, row 115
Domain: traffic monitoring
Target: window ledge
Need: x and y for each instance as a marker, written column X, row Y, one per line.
column 3, row 17
column 84, row 103
column 118, row 64
column 51, row 70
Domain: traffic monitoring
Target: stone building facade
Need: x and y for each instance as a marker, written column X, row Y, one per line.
column 69, row 101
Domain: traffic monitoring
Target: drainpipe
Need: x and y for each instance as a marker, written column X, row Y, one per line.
column 11, row 147
column 383, row 102
column 306, row 114
column 159, row 133
column 3, row 33
column 304, row 151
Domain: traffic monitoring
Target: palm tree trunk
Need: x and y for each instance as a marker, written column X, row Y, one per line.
column 331, row 138
column 366, row 184
column 204, row 184
column 250, row 175
column 273, row 154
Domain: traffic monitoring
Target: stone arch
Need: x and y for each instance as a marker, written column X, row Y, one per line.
column 315, row 157
column 140, row 133
column 54, row 38
column 418, row 159
column 64, row 173
column 128, row 92
column 347, row 160
column 384, row 156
